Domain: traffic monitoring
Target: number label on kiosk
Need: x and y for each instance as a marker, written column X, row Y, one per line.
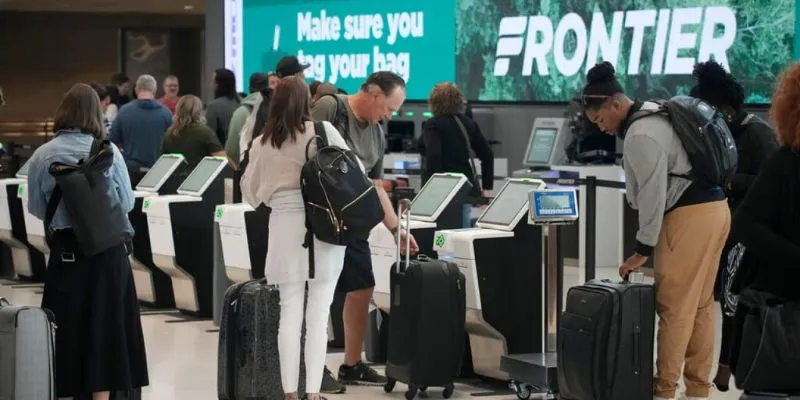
column 548, row 206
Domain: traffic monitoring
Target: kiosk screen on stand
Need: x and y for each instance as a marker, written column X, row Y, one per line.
column 24, row 170
column 157, row 172
column 541, row 145
column 508, row 203
column 434, row 193
column 201, row 174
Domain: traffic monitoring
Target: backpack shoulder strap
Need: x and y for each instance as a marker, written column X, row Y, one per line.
column 52, row 206
column 322, row 135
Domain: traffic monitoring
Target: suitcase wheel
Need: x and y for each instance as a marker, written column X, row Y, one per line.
column 448, row 391
column 389, row 386
column 523, row 391
column 412, row 392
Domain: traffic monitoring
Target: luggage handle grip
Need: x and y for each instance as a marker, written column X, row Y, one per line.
column 401, row 205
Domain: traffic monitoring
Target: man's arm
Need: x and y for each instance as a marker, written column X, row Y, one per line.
column 648, row 161
column 390, row 220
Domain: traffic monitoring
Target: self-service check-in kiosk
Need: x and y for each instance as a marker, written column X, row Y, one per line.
column 153, row 286
column 34, row 227
column 551, row 209
column 439, row 205
column 501, row 260
column 181, row 234
column 27, row 262
column 244, row 232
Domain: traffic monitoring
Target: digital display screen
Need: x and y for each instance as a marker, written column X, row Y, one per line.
column 557, row 201
column 508, row 203
column 433, row 194
column 558, row 204
column 155, row 175
column 24, row 170
column 541, row 145
column 515, row 51
column 200, row 175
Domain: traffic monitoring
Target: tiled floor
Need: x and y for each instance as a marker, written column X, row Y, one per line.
column 182, row 358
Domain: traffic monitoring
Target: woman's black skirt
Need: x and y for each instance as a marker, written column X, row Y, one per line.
column 99, row 340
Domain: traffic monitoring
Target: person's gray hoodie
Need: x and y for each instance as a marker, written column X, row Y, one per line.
column 249, row 105
column 218, row 115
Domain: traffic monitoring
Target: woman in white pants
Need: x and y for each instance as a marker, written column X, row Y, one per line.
column 273, row 178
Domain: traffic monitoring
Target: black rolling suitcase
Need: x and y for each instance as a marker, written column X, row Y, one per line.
column 605, row 342
column 249, row 367
column 769, row 396
column 426, row 328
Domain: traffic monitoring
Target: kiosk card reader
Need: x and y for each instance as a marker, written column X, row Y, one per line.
column 439, row 205
column 551, row 209
column 244, row 232
column 27, row 262
column 499, row 259
column 153, row 286
column 34, row 227
column 181, row 234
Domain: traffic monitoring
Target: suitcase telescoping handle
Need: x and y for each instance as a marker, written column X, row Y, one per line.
column 403, row 208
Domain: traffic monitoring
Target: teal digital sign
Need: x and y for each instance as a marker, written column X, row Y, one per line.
column 346, row 41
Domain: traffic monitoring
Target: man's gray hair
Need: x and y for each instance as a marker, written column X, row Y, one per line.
column 146, row 83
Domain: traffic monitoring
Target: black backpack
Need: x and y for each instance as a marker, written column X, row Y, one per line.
column 341, row 203
column 98, row 225
column 705, row 137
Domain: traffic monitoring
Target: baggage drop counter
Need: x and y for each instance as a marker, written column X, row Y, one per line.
column 439, row 205
column 27, row 261
column 501, row 259
column 153, row 286
column 244, row 233
column 181, row 234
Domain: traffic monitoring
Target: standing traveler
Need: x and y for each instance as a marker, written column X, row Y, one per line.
column 448, row 141
column 140, row 126
column 258, row 82
column 358, row 118
column 220, row 110
column 189, row 135
column 683, row 225
column 123, row 85
column 99, row 337
column 171, row 97
column 767, row 223
column 274, row 179
column 756, row 143
column 105, row 101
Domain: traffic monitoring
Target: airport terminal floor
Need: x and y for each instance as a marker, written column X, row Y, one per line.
column 182, row 356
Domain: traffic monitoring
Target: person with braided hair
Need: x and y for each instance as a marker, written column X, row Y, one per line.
column 756, row 143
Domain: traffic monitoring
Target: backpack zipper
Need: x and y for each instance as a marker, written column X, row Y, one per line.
column 356, row 200
column 327, row 211
column 330, row 207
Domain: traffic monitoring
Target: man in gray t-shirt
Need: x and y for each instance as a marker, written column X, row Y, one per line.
column 382, row 94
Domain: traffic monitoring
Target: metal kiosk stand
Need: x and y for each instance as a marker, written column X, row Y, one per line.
column 550, row 208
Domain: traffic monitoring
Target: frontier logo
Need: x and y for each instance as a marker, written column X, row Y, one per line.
column 676, row 31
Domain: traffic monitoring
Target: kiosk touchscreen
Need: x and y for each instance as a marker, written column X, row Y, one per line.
column 500, row 259
column 546, row 147
column 153, row 287
column 244, row 233
column 26, row 261
column 34, row 227
column 439, row 205
column 551, row 209
column 181, row 234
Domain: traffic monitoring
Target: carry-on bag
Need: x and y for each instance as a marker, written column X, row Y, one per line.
column 27, row 353
column 426, row 324
column 249, row 365
column 605, row 342
column 769, row 351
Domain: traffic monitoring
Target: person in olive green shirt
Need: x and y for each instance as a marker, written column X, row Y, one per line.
column 189, row 134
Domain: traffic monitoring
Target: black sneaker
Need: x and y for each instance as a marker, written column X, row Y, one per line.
column 330, row 385
column 360, row 374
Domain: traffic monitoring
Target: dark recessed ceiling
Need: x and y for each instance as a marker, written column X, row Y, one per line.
column 107, row 6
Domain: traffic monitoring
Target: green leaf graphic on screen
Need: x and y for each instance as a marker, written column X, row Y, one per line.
column 146, row 204
column 439, row 240
column 20, row 190
column 219, row 213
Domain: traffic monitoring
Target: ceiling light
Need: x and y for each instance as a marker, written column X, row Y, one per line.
column 188, row 7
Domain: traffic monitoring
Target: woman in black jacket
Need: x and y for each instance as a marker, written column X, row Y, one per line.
column 756, row 143
column 448, row 140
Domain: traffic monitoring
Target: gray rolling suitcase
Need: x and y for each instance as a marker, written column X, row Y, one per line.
column 249, row 367
column 768, row 396
column 27, row 353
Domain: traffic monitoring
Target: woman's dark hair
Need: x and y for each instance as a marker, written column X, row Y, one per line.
column 119, row 79
column 80, row 110
column 446, row 99
column 601, row 85
column 226, row 84
column 716, row 86
column 102, row 92
column 113, row 93
column 289, row 110
column 263, row 110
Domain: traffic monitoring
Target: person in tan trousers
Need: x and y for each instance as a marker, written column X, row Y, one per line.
column 682, row 225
